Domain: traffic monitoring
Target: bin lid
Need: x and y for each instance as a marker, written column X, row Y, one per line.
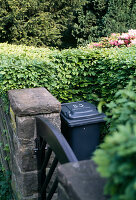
column 81, row 112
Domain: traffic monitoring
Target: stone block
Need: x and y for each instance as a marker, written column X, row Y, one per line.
column 25, row 156
column 18, row 195
column 33, row 101
column 81, row 181
column 26, row 127
column 26, row 159
column 54, row 118
column 26, row 183
column 62, row 193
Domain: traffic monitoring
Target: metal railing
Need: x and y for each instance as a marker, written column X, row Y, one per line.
column 6, row 134
column 51, row 149
column 6, row 138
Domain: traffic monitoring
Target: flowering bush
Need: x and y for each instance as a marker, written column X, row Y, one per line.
column 116, row 40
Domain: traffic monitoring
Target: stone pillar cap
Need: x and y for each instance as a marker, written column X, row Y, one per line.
column 33, row 101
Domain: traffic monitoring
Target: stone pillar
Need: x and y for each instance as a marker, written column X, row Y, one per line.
column 80, row 181
column 25, row 104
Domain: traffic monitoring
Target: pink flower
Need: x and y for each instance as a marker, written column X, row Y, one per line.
column 90, row 46
column 117, row 40
column 125, row 36
column 111, row 42
column 132, row 33
column 97, row 44
column 126, row 41
column 114, row 34
column 120, row 42
column 133, row 42
column 116, row 43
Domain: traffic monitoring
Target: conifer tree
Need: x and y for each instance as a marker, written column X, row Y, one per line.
column 36, row 22
column 88, row 26
column 121, row 16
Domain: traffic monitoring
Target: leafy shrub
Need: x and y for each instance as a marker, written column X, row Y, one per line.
column 88, row 24
column 116, row 157
column 117, row 160
column 116, row 40
column 123, row 108
column 5, row 188
column 63, row 23
column 70, row 75
column 92, row 74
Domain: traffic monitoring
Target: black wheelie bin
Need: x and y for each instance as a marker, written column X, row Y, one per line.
column 80, row 124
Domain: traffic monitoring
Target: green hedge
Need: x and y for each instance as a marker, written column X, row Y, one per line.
column 70, row 75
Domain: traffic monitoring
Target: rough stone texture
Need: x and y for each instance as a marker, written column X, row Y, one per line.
column 54, row 118
column 62, row 193
column 26, row 105
column 26, row 182
column 17, row 193
column 33, row 101
column 26, row 126
column 80, row 181
column 24, row 140
column 26, row 159
column 24, row 155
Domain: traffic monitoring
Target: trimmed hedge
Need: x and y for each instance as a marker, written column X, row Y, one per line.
column 70, row 75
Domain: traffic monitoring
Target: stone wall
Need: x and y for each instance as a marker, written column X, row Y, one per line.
column 77, row 181
column 25, row 104
column 80, row 181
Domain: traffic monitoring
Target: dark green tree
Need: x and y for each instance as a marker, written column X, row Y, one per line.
column 98, row 18
column 88, row 24
column 120, row 16
column 38, row 22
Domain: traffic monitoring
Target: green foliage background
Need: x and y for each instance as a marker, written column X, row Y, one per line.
column 99, row 18
column 120, row 16
column 36, row 22
column 89, row 21
column 62, row 23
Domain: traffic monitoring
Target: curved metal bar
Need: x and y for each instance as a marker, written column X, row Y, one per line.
column 55, row 140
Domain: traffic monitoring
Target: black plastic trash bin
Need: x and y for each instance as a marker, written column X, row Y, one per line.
column 80, row 124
